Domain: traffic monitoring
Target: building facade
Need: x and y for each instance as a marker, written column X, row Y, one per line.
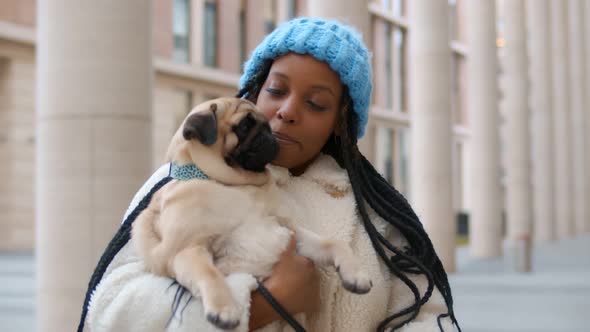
column 471, row 114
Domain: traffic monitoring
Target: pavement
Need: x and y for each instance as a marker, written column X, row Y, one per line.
column 17, row 292
column 555, row 296
column 488, row 296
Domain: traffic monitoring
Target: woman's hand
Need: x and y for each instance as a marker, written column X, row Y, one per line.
column 294, row 283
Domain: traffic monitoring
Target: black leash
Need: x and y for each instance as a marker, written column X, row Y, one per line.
column 279, row 308
column 119, row 240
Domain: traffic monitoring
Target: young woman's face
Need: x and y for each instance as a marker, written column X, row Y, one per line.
column 301, row 99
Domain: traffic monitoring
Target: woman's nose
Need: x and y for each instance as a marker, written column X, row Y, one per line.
column 288, row 112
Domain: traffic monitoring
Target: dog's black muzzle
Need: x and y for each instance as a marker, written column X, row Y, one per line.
column 256, row 145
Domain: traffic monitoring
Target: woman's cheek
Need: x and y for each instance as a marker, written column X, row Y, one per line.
column 267, row 110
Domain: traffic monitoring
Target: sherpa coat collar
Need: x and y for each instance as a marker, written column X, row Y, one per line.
column 324, row 169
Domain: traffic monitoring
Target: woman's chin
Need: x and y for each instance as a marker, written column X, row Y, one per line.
column 286, row 162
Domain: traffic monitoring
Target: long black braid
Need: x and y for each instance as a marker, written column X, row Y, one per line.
column 368, row 186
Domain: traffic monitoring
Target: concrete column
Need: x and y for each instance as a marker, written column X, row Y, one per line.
column 93, row 140
column 430, row 111
column 542, row 119
column 586, row 69
column 578, row 127
column 197, row 32
column 517, row 144
column 561, row 119
column 356, row 14
column 485, row 236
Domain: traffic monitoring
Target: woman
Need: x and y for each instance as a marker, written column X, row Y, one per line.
column 312, row 79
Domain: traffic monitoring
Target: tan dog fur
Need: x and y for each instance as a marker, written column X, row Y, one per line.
column 198, row 231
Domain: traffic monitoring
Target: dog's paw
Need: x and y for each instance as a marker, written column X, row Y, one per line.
column 355, row 280
column 225, row 319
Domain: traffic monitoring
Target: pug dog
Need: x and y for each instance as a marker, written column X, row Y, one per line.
column 198, row 230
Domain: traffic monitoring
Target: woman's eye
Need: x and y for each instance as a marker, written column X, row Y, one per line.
column 275, row 92
column 315, row 106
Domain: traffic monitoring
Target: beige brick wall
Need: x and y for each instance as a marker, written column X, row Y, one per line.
column 22, row 12
column 170, row 107
column 162, row 28
column 255, row 17
column 5, row 149
column 174, row 95
column 17, row 153
column 229, row 35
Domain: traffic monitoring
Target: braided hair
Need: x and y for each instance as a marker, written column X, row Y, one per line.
column 368, row 186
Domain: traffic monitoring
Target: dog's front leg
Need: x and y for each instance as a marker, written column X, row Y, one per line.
column 326, row 251
column 194, row 269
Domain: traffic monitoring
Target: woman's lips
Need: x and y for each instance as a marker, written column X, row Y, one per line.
column 284, row 139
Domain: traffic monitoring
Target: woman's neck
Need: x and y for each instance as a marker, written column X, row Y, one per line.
column 298, row 170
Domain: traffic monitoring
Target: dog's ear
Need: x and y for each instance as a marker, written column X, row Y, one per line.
column 202, row 126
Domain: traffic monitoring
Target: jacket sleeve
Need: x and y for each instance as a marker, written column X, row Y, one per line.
column 402, row 297
column 130, row 299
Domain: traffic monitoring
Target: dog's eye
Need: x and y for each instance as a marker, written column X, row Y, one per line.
column 246, row 124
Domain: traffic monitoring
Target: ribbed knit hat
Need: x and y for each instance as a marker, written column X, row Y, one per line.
column 339, row 45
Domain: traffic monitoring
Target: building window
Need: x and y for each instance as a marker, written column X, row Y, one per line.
column 388, row 67
column 270, row 16
column 242, row 46
column 210, row 40
column 393, row 157
column 403, row 148
column 180, row 29
column 458, row 100
column 458, row 176
column 291, row 9
column 269, row 26
column 399, row 70
column 384, row 153
column 394, row 67
column 389, row 165
column 398, row 7
column 453, row 17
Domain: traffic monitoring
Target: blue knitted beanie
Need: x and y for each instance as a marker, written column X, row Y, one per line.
column 332, row 42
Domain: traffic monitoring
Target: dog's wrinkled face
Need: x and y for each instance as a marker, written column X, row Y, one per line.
column 235, row 129
column 256, row 144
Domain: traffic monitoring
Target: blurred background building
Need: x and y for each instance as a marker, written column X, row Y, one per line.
column 479, row 116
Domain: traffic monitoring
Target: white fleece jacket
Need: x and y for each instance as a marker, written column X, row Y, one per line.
column 130, row 299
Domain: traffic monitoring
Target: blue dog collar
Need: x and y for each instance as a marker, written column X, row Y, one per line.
column 187, row 172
